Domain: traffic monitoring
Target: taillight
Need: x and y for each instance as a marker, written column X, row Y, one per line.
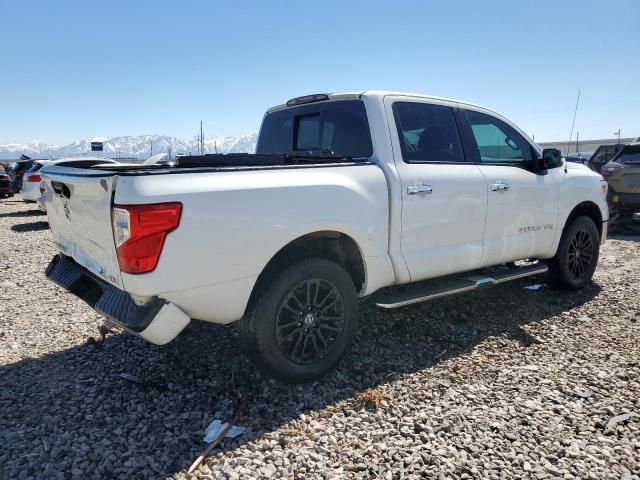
column 139, row 232
column 34, row 178
column 5, row 177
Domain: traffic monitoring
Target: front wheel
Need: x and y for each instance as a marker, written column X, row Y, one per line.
column 577, row 256
column 302, row 322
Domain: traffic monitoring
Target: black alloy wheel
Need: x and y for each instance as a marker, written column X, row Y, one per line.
column 301, row 320
column 310, row 320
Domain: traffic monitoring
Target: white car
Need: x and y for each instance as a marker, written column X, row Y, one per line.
column 31, row 192
column 396, row 198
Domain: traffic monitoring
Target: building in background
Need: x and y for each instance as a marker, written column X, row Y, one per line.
column 584, row 145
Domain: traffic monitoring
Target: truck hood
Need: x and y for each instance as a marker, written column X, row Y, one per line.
column 576, row 166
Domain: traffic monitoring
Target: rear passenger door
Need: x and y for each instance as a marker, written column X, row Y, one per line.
column 522, row 211
column 444, row 196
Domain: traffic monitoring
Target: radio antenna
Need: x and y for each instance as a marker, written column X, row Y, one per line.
column 573, row 123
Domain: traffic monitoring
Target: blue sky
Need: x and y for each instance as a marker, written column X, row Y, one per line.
column 72, row 70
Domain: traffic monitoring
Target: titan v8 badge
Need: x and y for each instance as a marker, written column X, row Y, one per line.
column 535, row 228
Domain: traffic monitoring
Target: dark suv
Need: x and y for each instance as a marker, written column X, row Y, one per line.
column 17, row 171
column 602, row 155
column 5, row 184
column 623, row 175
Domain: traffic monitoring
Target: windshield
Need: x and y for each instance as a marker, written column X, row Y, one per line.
column 340, row 127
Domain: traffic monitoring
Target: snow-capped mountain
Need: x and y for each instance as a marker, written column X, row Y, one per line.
column 130, row 146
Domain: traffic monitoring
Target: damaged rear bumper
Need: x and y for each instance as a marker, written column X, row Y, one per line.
column 157, row 321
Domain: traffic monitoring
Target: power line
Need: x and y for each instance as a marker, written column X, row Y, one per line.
column 219, row 130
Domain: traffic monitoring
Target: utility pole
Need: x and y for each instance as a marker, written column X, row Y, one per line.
column 577, row 141
column 151, row 154
column 617, row 133
column 201, row 139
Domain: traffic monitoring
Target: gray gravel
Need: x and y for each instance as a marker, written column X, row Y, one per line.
column 505, row 383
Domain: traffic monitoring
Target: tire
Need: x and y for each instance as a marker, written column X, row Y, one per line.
column 577, row 256
column 310, row 302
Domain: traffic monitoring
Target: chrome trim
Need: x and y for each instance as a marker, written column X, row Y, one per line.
column 420, row 188
column 540, row 269
column 499, row 187
column 424, row 298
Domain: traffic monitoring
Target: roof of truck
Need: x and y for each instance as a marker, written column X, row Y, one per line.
column 380, row 94
column 384, row 93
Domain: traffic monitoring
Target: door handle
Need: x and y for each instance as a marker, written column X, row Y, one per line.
column 499, row 187
column 420, row 188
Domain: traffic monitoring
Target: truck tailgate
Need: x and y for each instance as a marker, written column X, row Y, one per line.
column 79, row 208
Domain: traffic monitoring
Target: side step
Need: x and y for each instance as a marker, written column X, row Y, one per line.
column 430, row 289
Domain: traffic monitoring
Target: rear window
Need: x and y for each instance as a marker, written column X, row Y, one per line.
column 18, row 167
column 427, row 133
column 339, row 126
column 630, row 154
column 35, row 168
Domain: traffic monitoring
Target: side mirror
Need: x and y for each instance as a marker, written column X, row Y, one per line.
column 551, row 158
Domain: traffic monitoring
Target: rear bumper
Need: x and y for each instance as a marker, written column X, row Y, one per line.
column 157, row 321
column 30, row 192
column 623, row 200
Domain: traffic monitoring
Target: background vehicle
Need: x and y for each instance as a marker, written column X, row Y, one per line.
column 31, row 192
column 394, row 197
column 17, row 171
column 623, row 175
column 159, row 159
column 579, row 157
column 5, row 184
column 602, row 155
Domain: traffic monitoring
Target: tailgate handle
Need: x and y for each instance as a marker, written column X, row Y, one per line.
column 61, row 189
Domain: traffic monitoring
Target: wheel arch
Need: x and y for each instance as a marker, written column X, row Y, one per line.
column 587, row 209
column 328, row 244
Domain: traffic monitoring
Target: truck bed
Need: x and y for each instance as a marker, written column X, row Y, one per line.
column 235, row 161
column 238, row 211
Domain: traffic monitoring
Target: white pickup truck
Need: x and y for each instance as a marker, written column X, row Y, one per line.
column 391, row 197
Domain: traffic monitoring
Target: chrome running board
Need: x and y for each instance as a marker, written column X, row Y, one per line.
column 431, row 289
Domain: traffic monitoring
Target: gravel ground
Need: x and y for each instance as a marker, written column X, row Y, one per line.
column 504, row 383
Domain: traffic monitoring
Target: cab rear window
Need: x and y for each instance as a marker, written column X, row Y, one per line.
column 337, row 126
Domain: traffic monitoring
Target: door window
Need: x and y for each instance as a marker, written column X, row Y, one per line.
column 497, row 142
column 427, row 133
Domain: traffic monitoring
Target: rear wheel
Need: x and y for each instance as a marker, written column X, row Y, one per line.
column 301, row 323
column 577, row 256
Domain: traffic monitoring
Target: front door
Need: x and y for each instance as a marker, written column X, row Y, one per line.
column 522, row 209
column 444, row 196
